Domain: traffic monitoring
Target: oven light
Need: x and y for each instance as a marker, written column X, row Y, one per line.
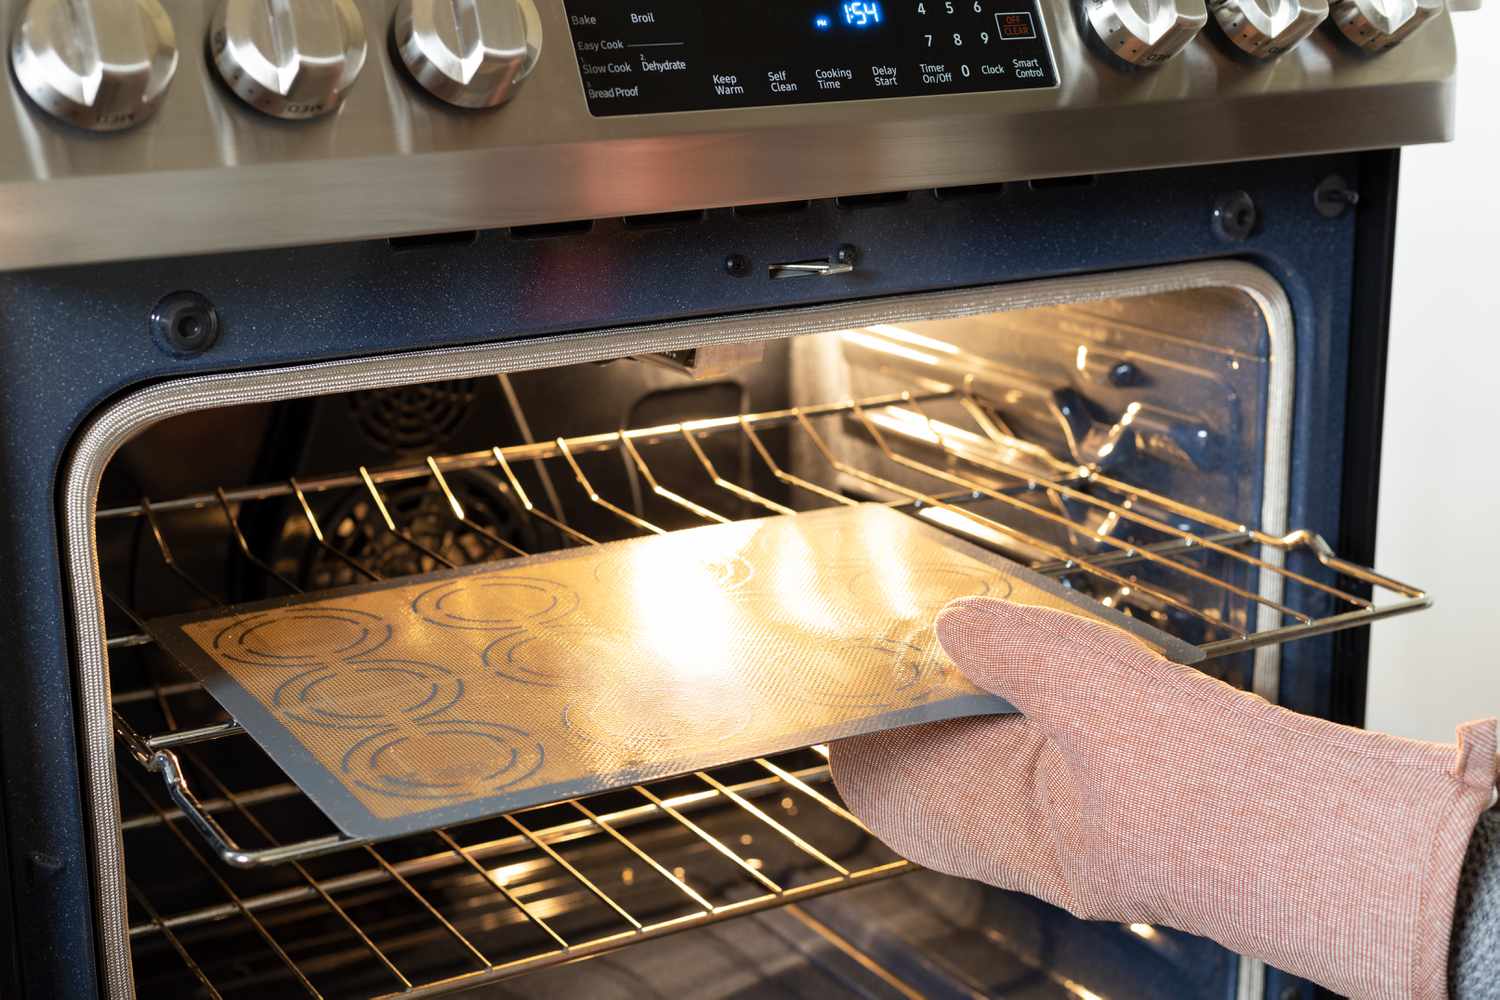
column 1083, row 357
column 884, row 346
column 690, row 637
column 957, row 522
column 1143, row 931
column 913, row 338
column 907, row 423
column 506, row 875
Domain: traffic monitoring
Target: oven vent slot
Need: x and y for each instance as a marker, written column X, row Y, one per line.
column 547, row 230
column 1057, row 183
column 872, row 200
column 771, row 208
column 431, row 241
column 963, row 191
column 661, row 220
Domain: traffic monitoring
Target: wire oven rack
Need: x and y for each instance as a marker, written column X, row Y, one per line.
column 971, row 475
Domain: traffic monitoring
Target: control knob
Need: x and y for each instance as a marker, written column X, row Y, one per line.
column 470, row 53
column 288, row 58
column 1267, row 28
column 1146, row 32
column 1377, row 25
column 103, row 65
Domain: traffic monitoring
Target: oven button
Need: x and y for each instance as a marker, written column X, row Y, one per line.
column 288, row 58
column 1377, row 25
column 1267, row 28
column 1146, row 32
column 469, row 53
column 103, row 65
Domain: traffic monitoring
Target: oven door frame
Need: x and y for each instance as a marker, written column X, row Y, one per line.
column 131, row 414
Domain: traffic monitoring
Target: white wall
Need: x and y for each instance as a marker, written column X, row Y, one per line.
column 1440, row 479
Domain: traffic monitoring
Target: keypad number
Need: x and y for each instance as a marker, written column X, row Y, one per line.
column 1006, row 26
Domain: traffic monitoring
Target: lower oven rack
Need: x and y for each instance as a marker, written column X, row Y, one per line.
column 486, row 859
column 969, row 474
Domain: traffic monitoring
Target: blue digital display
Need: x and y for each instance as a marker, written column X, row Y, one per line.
column 822, row 22
column 862, row 14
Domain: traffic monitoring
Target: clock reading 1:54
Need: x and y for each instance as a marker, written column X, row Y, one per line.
column 862, row 14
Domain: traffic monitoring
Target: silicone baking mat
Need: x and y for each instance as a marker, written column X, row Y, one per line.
column 438, row 699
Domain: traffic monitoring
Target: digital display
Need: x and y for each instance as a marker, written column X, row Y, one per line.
column 655, row 56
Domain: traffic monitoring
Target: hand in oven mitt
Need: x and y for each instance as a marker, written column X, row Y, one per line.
column 1135, row 789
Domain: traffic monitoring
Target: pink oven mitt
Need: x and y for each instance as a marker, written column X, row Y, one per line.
column 1134, row 789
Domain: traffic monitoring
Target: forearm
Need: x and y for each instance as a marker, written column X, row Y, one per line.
column 1474, row 955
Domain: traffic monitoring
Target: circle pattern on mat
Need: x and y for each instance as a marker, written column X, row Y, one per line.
column 499, row 604
column 443, row 759
column 726, row 574
column 640, row 722
column 302, row 637
column 331, row 696
column 926, row 590
column 891, row 674
column 543, row 658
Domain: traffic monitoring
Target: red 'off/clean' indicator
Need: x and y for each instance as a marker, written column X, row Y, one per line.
column 1016, row 26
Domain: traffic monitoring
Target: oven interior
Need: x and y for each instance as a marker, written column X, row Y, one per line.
column 1128, row 447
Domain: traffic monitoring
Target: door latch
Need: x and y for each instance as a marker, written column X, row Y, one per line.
column 842, row 262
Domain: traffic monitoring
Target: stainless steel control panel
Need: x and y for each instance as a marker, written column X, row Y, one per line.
column 148, row 128
column 686, row 55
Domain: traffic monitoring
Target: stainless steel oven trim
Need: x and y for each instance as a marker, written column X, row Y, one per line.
column 209, row 173
column 1252, row 979
column 122, row 419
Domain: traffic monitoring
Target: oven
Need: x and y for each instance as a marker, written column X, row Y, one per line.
column 319, row 292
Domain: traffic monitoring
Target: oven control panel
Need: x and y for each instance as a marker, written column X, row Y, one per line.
column 652, row 56
column 157, row 128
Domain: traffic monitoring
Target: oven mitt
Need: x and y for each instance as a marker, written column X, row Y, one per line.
column 1138, row 790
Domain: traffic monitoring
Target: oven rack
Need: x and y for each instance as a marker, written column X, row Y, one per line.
column 900, row 416
column 969, row 471
column 517, row 892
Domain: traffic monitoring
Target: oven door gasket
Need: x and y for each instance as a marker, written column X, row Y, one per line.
column 122, row 419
